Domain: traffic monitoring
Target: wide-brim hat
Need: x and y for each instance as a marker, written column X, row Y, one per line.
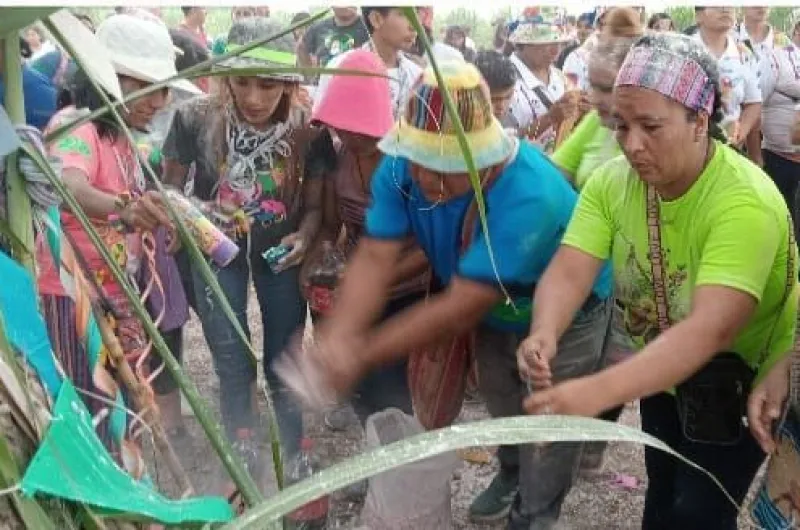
column 426, row 136
column 535, row 33
column 141, row 49
column 357, row 104
column 277, row 53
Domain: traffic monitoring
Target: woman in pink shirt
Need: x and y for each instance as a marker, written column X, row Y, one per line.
column 101, row 169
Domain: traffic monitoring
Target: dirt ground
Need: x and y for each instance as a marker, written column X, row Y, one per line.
column 614, row 499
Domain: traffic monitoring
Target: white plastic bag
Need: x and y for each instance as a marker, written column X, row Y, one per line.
column 415, row 496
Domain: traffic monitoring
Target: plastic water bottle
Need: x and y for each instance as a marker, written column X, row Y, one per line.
column 314, row 515
column 324, row 278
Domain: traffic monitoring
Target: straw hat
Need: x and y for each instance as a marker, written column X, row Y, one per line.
column 141, row 49
column 426, row 135
column 535, row 33
column 358, row 104
column 278, row 53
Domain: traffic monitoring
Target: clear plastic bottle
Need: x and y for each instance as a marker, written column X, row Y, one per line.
column 314, row 515
column 324, row 277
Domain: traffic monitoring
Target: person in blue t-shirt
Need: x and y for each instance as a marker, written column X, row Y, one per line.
column 39, row 96
column 421, row 189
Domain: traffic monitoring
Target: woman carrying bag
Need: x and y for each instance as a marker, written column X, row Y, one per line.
column 705, row 266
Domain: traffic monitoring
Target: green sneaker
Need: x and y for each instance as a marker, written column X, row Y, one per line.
column 494, row 503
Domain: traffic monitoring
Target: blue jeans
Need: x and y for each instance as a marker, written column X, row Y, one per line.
column 283, row 312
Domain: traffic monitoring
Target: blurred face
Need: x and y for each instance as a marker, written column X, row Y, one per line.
column 241, row 13
column 394, row 29
column 661, row 143
column 457, row 39
column 796, row 35
column 663, row 25
column 141, row 110
column 717, row 18
column 601, row 92
column 345, row 14
column 757, row 14
column 501, row 100
column 257, row 99
column 584, row 30
column 358, row 144
column 33, row 39
column 539, row 55
column 199, row 15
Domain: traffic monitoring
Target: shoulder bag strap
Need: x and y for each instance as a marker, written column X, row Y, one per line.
column 657, row 272
column 471, row 217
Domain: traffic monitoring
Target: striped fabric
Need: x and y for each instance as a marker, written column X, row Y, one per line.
column 60, row 316
column 675, row 76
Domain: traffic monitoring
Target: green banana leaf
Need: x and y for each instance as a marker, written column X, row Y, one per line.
column 504, row 431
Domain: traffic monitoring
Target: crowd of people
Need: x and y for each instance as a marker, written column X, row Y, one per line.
column 639, row 187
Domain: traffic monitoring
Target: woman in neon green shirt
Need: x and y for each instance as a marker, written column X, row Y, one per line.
column 703, row 249
column 592, row 142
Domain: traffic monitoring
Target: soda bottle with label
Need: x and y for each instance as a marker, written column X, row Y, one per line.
column 314, row 515
column 323, row 279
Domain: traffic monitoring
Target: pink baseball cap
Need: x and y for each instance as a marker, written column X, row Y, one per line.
column 357, row 104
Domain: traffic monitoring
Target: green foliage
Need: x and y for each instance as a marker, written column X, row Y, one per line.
column 682, row 16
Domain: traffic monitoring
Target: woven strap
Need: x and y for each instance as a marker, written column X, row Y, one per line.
column 658, row 271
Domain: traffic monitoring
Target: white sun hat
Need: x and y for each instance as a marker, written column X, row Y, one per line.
column 141, row 49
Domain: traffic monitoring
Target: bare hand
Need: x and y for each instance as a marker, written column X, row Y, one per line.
column 567, row 107
column 324, row 372
column 146, row 213
column 765, row 404
column 297, row 251
column 576, row 397
column 533, row 359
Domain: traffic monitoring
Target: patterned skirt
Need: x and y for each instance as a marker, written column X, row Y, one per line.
column 69, row 347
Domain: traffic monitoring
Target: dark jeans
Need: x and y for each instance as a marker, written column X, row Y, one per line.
column 283, row 312
column 681, row 497
column 386, row 387
column 786, row 175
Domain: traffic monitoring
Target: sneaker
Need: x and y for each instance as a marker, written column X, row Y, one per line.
column 592, row 460
column 495, row 502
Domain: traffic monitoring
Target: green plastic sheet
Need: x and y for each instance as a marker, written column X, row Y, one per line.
column 72, row 463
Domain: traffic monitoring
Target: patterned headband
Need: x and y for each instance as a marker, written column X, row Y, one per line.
column 673, row 75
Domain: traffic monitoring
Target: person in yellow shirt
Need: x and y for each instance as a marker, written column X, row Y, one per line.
column 704, row 263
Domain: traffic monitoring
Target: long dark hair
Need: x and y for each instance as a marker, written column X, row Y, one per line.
column 84, row 96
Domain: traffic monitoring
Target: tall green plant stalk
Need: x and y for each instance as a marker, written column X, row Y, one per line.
column 18, row 204
column 474, row 178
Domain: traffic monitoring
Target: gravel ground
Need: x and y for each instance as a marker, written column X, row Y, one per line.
column 594, row 503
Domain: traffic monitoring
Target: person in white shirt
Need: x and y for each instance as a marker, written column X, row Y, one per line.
column 542, row 101
column 756, row 33
column 391, row 35
column 738, row 71
column 780, row 86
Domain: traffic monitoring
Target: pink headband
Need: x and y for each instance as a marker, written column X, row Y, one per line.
column 675, row 76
